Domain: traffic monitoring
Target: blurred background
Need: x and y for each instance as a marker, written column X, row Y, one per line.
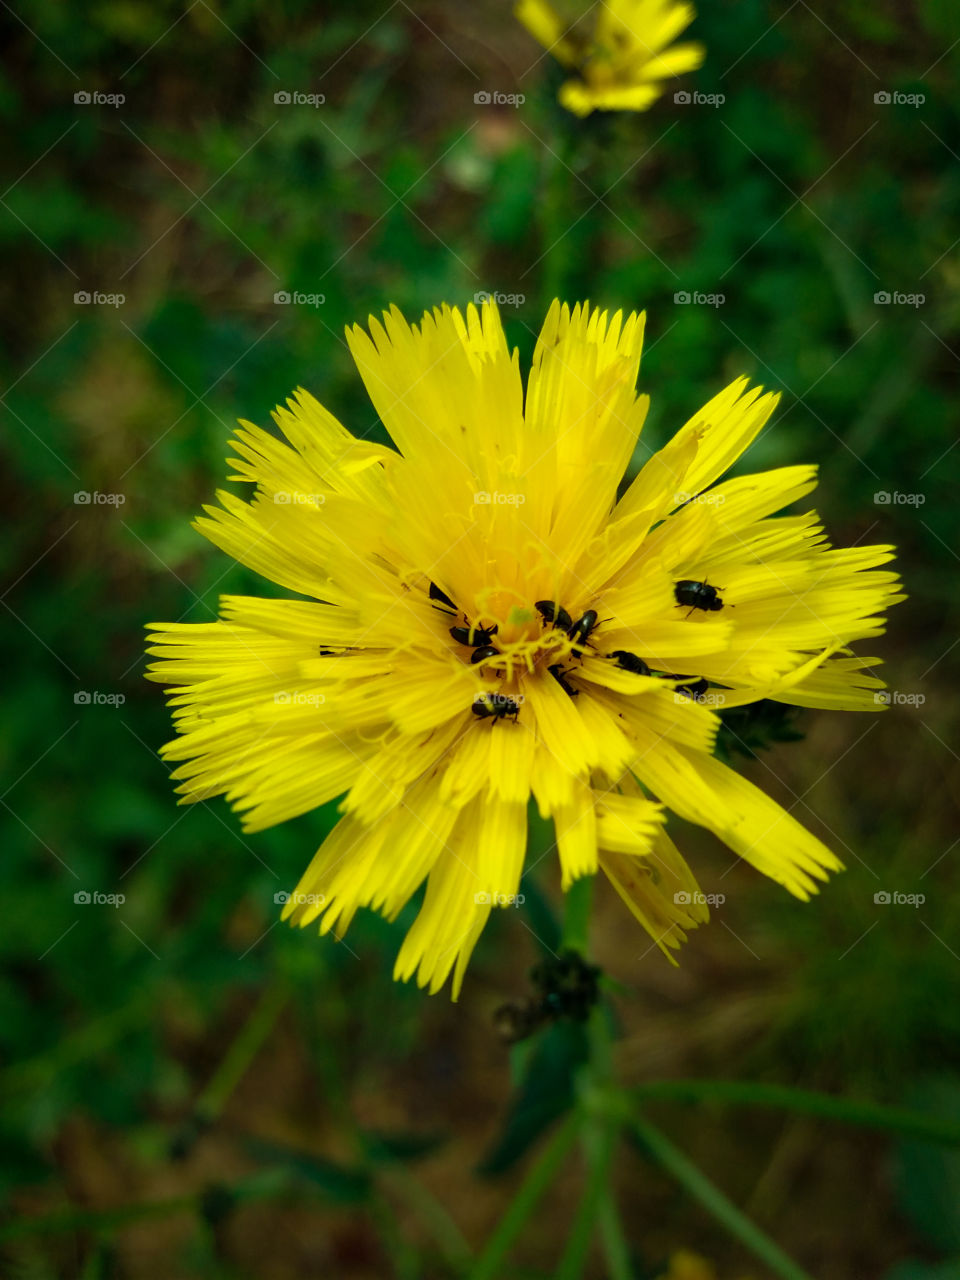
column 196, row 199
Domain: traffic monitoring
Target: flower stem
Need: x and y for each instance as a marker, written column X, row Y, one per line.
column 538, row 1179
column 871, row 1115
column 673, row 1160
column 242, row 1051
column 599, row 1141
column 615, row 1247
column 576, row 916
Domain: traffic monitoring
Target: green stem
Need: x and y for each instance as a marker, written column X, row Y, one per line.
column 556, row 218
column 870, row 1115
column 599, row 1140
column 489, row 1265
column 257, row 1187
column 37, row 1072
column 450, row 1239
column 236, row 1062
column 673, row 1160
column 615, row 1247
column 576, row 915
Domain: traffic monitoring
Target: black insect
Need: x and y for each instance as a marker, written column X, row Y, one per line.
column 630, row 662
column 495, row 706
column 441, row 596
column 567, row 987
column 550, row 611
column 560, row 676
column 472, row 636
column 579, row 631
column 697, row 595
column 695, row 690
column 482, row 654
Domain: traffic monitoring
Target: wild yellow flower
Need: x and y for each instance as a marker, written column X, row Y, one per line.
column 618, row 50
column 481, row 621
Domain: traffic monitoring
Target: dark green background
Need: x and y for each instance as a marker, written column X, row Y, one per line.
column 798, row 198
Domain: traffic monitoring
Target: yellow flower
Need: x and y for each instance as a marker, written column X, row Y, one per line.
column 618, row 50
column 428, row 673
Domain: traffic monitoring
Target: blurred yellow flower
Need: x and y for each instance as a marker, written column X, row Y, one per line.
column 618, row 50
column 684, row 1264
column 482, row 621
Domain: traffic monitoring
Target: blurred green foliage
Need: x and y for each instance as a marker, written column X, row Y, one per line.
column 799, row 198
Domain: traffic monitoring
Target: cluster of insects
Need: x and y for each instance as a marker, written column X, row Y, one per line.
column 566, row 987
column 689, row 593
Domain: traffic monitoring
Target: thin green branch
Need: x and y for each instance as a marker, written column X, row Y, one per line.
column 870, row 1115
column 599, row 1140
column 673, row 1160
column 244, row 1048
column 576, row 914
column 539, row 1177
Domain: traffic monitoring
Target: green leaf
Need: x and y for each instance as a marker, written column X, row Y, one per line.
column 928, row 1174
column 342, row 1183
column 546, row 1092
column 382, row 1147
